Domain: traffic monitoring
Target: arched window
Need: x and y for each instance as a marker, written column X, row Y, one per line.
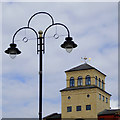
column 102, row 84
column 99, row 82
column 87, row 80
column 79, row 81
column 95, row 80
column 72, row 82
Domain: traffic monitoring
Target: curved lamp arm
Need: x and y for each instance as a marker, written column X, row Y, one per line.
column 40, row 13
column 37, row 37
column 54, row 25
column 50, row 27
column 68, row 44
column 13, row 39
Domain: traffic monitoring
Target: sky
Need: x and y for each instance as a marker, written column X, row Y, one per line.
column 93, row 26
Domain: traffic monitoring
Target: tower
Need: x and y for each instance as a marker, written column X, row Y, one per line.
column 84, row 95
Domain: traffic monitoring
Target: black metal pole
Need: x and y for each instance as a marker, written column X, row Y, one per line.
column 40, row 75
column 40, row 49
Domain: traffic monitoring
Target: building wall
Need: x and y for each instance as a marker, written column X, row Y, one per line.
column 79, row 97
column 101, row 105
column 84, row 73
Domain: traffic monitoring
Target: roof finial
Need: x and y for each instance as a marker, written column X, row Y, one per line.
column 85, row 59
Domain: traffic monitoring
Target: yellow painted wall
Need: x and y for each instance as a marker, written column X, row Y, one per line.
column 79, row 97
column 84, row 73
column 101, row 105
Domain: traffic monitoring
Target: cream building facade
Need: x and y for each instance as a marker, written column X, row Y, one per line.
column 84, row 95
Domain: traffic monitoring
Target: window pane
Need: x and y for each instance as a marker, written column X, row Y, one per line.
column 102, row 84
column 99, row 82
column 71, row 81
column 106, row 100
column 88, row 107
column 79, row 81
column 103, row 98
column 69, row 97
column 78, row 108
column 100, row 96
column 96, row 80
column 69, row 109
column 88, row 95
column 88, row 80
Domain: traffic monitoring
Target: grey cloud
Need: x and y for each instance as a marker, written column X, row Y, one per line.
column 56, row 60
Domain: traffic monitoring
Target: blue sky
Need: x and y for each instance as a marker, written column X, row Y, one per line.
column 93, row 26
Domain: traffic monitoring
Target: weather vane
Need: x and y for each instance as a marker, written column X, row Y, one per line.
column 85, row 59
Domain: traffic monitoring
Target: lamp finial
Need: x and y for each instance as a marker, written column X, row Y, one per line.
column 40, row 33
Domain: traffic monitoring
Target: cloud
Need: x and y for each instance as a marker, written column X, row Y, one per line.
column 0, row 62
column 11, row 1
column 114, row 104
column 93, row 27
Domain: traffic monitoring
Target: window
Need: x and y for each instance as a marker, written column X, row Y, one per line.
column 79, row 81
column 88, row 107
column 78, row 108
column 72, row 82
column 88, row 95
column 99, row 82
column 69, row 97
column 99, row 96
column 69, row 109
column 106, row 100
column 103, row 98
column 102, row 84
column 87, row 80
column 95, row 80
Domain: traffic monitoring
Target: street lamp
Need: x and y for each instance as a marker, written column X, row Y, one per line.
column 13, row 51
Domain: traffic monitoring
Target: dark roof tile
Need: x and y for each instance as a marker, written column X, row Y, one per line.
column 84, row 66
column 109, row 112
column 83, row 87
column 53, row 115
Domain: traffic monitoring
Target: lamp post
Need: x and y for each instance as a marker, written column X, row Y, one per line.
column 40, row 37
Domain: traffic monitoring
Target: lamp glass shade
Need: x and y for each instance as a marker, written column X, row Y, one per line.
column 69, row 48
column 68, row 44
column 12, row 56
column 12, row 53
